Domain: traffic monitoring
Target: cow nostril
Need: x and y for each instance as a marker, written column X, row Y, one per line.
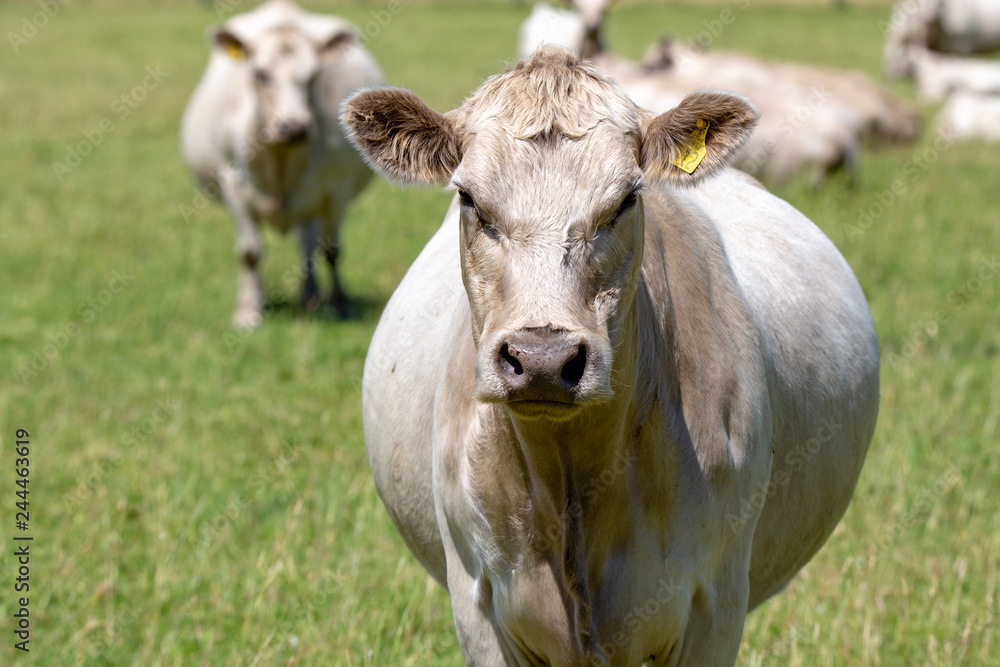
column 508, row 362
column 292, row 132
column 572, row 371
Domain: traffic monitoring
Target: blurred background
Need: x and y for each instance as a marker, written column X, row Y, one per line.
column 201, row 494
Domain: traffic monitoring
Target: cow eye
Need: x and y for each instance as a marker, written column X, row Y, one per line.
column 466, row 199
column 627, row 204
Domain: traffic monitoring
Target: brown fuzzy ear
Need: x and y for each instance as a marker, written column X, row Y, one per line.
column 679, row 137
column 231, row 45
column 336, row 43
column 400, row 136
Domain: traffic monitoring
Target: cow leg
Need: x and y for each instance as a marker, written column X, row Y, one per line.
column 338, row 298
column 470, row 599
column 715, row 624
column 310, row 241
column 250, row 250
column 330, row 243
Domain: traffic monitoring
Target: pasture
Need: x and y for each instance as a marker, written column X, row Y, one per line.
column 202, row 496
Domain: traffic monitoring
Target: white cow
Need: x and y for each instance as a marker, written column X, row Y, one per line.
column 609, row 411
column 261, row 131
column 577, row 30
column 548, row 25
column 971, row 116
column 938, row 75
column 963, row 27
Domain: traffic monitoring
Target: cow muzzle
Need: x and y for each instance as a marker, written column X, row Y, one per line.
column 543, row 372
column 290, row 132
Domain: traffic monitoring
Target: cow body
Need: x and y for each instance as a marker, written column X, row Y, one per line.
column 970, row 116
column 622, row 482
column 261, row 132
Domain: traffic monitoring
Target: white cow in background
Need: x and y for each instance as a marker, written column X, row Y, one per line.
column 612, row 406
column 549, row 25
column 577, row 30
column 962, row 27
column 261, row 130
column 971, row 116
column 937, row 75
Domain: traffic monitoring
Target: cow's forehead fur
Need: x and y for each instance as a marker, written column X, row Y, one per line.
column 551, row 124
column 551, row 93
column 287, row 50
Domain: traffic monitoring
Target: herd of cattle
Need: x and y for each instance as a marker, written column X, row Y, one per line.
column 625, row 393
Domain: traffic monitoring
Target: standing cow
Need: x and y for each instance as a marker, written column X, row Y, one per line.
column 610, row 412
column 261, row 130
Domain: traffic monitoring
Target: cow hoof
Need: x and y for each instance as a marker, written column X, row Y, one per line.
column 247, row 319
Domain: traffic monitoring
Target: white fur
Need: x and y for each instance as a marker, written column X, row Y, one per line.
column 971, row 116
column 938, row 75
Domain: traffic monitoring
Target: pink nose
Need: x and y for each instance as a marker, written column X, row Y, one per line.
column 540, row 365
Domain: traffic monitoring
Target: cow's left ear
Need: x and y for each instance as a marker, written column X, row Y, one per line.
column 231, row 45
column 697, row 138
column 332, row 45
column 401, row 137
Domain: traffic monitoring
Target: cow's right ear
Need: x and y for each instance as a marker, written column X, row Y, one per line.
column 697, row 138
column 230, row 44
column 401, row 137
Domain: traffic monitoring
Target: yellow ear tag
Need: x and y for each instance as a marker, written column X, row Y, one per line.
column 233, row 51
column 694, row 151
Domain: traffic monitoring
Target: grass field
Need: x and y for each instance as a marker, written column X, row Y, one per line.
column 202, row 497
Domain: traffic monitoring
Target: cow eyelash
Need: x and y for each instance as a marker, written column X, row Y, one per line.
column 466, row 199
column 627, row 203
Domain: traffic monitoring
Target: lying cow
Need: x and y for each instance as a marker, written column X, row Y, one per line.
column 962, row 27
column 261, row 130
column 938, row 74
column 599, row 394
column 971, row 116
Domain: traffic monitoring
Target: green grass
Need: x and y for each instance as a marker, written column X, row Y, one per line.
column 198, row 497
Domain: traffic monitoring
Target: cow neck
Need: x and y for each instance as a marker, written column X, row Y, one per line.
column 275, row 170
column 580, row 474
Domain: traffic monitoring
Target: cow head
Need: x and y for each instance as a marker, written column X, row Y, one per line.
column 549, row 161
column 284, row 63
